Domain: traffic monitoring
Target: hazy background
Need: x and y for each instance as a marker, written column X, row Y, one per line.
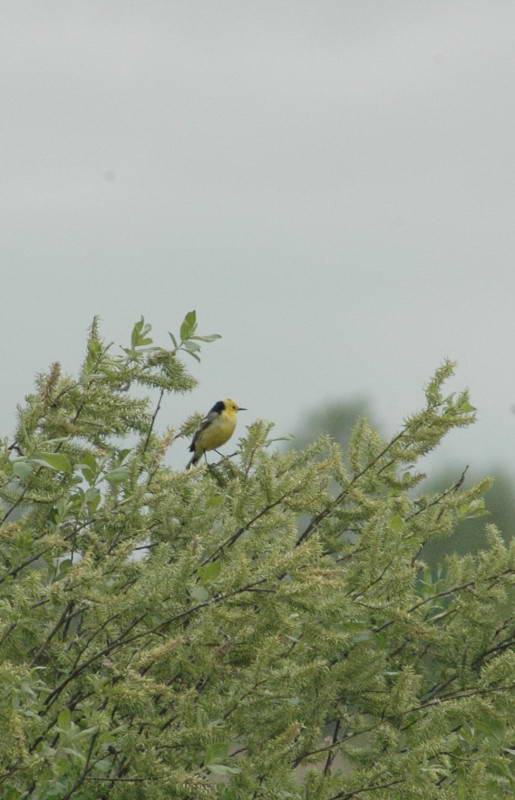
column 330, row 185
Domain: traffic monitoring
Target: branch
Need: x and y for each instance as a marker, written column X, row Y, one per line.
column 235, row 536
column 152, row 422
column 362, row 592
column 336, row 502
column 87, row 768
column 243, row 696
column 65, row 617
column 454, row 488
column 498, row 648
column 124, row 780
column 460, row 694
column 334, row 744
column 446, row 592
column 330, row 755
column 121, row 642
column 349, row 795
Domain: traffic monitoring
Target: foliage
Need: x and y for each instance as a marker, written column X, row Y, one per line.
column 240, row 659
column 469, row 534
column 339, row 417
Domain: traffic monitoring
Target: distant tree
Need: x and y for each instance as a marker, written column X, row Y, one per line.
column 240, row 659
column 336, row 418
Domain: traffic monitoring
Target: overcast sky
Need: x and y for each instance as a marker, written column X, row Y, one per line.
column 331, row 185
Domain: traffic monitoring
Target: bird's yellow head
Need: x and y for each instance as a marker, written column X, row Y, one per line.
column 232, row 407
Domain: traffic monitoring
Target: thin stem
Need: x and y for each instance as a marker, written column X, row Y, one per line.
column 349, row 795
column 122, row 642
column 152, row 422
column 315, row 522
column 235, row 536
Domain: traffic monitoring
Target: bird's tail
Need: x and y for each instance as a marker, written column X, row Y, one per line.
column 193, row 460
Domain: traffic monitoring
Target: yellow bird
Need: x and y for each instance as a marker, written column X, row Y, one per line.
column 216, row 429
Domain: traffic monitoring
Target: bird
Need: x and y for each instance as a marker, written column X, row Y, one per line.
column 216, row 429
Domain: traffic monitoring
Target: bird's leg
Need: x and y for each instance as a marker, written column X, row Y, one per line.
column 209, row 466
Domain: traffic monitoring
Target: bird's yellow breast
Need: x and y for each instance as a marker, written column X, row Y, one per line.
column 218, row 432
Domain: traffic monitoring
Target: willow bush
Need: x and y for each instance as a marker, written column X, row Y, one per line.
column 171, row 634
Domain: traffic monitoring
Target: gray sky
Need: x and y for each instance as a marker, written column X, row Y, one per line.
column 330, row 185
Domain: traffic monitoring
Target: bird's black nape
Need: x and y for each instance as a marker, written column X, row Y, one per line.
column 218, row 407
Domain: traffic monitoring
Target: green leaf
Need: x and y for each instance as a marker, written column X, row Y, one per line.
column 56, row 461
column 10, row 793
column 85, row 732
column 64, row 567
column 191, row 346
column 364, row 636
column 216, row 752
column 491, row 726
column 174, row 340
column 22, row 469
column 476, row 508
column 139, row 333
column 356, row 626
column 199, row 593
column 94, row 349
column 211, row 338
column 89, row 473
column 210, row 572
column 64, row 719
column 89, row 476
column 118, row 475
column 217, row 500
column 194, row 355
column 133, row 354
column 189, row 325
column 397, row 523
column 222, row 769
column 136, row 332
column 121, row 456
column 93, row 498
column 89, row 460
column 104, row 766
column 75, row 753
column 56, row 789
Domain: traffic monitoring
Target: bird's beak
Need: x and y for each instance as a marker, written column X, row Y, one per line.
column 242, row 409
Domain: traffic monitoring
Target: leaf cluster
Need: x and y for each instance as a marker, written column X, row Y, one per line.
column 173, row 634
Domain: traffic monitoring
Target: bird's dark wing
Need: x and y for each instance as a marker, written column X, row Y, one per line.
column 208, row 419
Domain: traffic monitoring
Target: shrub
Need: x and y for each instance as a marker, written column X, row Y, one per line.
column 240, row 656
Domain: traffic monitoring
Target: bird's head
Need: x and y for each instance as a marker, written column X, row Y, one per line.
column 232, row 406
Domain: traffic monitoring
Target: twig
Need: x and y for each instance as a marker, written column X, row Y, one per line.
column 152, row 422
column 349, row 795
column 124, row 780
column 336, row 502
column 122, row 642
column 235, row 536
column 446, row 592
column 330, row 755
column 87, row 767
column 327, row 747
column 449, row 490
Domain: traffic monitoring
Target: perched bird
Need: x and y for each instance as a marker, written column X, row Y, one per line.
column 215, row 429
